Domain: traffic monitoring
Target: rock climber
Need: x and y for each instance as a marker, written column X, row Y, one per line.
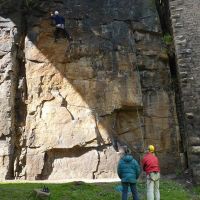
column 128, row 171
column 59, row 22
column 150, row 165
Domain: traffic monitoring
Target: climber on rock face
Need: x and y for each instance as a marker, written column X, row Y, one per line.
column 59, row 22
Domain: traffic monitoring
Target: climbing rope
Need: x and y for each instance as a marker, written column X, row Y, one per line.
column 140, row 94
column 141, row 130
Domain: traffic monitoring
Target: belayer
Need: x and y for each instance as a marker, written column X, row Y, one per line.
column 59, row 22
column 128, row 171
column 150, row 165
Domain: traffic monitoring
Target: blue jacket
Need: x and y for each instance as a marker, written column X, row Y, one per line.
column 58, row 19
column 128, row 169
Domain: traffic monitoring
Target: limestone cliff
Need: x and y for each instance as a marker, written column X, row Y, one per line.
column 66, row 107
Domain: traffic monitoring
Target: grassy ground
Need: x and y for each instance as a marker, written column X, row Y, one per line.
column 103, row 191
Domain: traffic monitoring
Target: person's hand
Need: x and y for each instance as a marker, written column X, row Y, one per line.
column 51, row 14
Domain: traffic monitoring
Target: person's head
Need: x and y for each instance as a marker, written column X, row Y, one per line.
column 127, row 150
column 151, row 148
column 56, row 12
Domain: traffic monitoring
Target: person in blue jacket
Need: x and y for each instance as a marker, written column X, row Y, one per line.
column 59, row 22
column 128, row 171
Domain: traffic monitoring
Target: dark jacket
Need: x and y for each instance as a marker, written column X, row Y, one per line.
column 58, row 19
column 128, row 169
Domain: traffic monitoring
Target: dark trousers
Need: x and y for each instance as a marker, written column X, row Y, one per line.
column 133, row 190
column 63, row 32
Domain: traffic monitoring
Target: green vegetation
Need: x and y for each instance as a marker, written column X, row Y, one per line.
column 152, row 4
column 168, row 39
column 170, row 190
column 196, row 191
column 31, row 4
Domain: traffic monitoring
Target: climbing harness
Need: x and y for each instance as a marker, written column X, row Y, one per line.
column 154, row 177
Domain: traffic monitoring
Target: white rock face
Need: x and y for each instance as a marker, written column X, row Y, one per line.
column 7, row 94
column 69, row 166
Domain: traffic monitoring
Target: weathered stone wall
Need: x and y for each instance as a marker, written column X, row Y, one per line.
column 186, row 22
column 8, row 72
column 76, row 102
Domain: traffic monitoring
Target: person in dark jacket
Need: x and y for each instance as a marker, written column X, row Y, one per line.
column 59, row 22
column 128, row 171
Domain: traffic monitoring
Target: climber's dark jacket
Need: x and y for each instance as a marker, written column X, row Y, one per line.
column 58, row 19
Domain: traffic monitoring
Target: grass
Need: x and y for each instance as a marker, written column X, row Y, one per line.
column 170, row 190
column 168, row 39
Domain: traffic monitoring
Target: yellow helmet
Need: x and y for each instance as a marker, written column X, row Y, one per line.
column 151, row 148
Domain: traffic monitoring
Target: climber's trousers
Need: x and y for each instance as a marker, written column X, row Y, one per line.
column 153, row 192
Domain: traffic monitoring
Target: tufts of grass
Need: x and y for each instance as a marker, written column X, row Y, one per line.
column 29, row 5
column 173, row 191
column 170, row 190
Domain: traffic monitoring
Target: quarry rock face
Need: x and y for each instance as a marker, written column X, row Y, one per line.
column 8, row 67
column 68, row 106
column 185, row 16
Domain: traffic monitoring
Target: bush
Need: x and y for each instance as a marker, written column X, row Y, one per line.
column 168, row 39
column 30, row 4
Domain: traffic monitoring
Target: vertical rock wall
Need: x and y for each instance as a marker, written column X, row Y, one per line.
column 76, row 102
column 186, row 22
column 8, row 80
